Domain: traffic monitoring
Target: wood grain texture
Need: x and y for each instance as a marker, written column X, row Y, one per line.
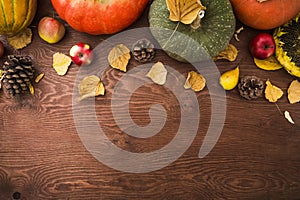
column 42, row 156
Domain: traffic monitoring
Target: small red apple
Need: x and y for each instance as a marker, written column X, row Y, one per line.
column 1, row 49
column 51, row 30
column 81, row 54
column 262, row 46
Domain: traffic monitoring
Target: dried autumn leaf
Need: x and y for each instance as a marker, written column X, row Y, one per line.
column 119, row 57
column 31, row 88
column 90, row 86
column 238, row 32
column 270, row 63
column 229, row 53
column 39, row 77
column 21, row 40
column 272, row 92
column 1, row 77
column 195, row 81
column 294, row 92
column 158, row 73
column 288, row 117
column 61, row 63
column 185, row 11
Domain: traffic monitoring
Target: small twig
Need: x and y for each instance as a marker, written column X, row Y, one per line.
column 278, row 109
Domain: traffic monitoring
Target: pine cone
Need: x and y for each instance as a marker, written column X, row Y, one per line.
column 143, row 50
column 18, row 73
column 251, row 87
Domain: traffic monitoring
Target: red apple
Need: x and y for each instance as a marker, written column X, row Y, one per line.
column 81, row 54
column 1, row 49
column 51, row 30
column 262, row 46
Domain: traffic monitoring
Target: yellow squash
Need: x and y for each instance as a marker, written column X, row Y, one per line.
column 16, row 15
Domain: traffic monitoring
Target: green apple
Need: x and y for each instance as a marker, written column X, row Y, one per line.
column 51, row 30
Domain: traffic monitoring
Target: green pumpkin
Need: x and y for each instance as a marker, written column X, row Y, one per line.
column 16, row 15
column 178, row 39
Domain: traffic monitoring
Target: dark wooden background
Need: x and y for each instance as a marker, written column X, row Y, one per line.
column 42, row 156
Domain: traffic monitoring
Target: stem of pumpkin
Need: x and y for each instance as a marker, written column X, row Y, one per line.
column 171, row 35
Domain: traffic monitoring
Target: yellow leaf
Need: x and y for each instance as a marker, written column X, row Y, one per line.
column 39, row 77
column 158, row 73
column 270, row 63
column 21, row 40
column 31, row 88
column 229, row 79
column 229, row 53
column 294, row 92
column 90, row 86
column 61, row 63
column 1, row 72
column 195, row 81
column 185, row 11
column 119, row 57
column 1, row 77
column 272, row 92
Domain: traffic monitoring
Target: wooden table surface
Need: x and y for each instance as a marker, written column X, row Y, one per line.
column 42, row 156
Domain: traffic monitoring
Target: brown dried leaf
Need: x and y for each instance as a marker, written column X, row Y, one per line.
column 185, row 11
column 39, row 77
column 294, row 92
column 119, row 57
column 61, row 63
column 195, row 81
column 229, row 53
column 90, row 86
column 272, row 92
column 21, row 40
column 158, row 73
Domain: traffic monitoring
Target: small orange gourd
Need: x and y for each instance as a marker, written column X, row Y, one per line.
column 265, row 14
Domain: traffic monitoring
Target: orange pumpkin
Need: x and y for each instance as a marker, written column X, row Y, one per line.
column 265, row 14
column 99, row 17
